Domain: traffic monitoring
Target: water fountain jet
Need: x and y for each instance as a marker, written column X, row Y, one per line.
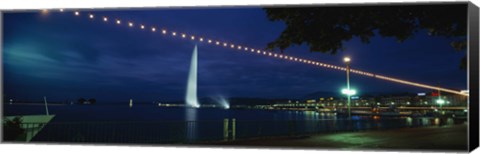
column 191, row 96
column 222, row 101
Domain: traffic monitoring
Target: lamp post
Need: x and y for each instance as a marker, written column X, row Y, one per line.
column 349, row 93
column 347, row 62
column 440, row 101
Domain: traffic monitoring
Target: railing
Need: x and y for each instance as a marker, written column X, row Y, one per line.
column 180, row 132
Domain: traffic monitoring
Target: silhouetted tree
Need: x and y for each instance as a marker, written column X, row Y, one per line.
column 324, row 29
column 12, row 129
column 81, row 100
column 92, row 100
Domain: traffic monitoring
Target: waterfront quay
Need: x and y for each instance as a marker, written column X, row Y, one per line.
column 439, row 138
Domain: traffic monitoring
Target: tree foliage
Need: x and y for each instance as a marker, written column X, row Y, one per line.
column 12, row 129
column 324, row 29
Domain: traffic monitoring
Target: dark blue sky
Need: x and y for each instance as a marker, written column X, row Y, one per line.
column 63, row 57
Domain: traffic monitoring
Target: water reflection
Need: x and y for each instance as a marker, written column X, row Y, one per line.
column 409, row 121
column 436, row 121
column 191, row 124
column 450, row 121
column 425, row 121
column 250, row 123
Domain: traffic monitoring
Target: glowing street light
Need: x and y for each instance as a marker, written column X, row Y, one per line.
column 347, row 91
column 440, row 101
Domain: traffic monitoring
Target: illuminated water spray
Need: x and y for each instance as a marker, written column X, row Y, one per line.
column 222, row 101
column 191, row 97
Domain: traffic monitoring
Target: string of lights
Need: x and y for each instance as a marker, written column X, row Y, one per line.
column 238, row 47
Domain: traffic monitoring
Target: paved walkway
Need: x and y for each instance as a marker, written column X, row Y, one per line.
column 437, row 138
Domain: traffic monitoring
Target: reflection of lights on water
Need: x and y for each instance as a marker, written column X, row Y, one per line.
column 450, row 121
column 356, row 117
column 376, row 117
column 191, row 114
column 45, row 11
column 437, row 121
column 191, row 129
column 409, row 121
column 425, row 121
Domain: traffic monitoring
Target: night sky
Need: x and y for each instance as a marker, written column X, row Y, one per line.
column 62, row 56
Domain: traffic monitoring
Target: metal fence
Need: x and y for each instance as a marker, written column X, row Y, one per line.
column 186, row 132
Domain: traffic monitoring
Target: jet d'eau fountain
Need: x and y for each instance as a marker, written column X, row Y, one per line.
column 222, row 101
column 191, row 97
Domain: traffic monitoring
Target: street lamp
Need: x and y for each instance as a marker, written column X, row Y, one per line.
column 348, row 91
column 440, row 102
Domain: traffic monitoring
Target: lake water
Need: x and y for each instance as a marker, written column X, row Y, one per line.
column 150, row 124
